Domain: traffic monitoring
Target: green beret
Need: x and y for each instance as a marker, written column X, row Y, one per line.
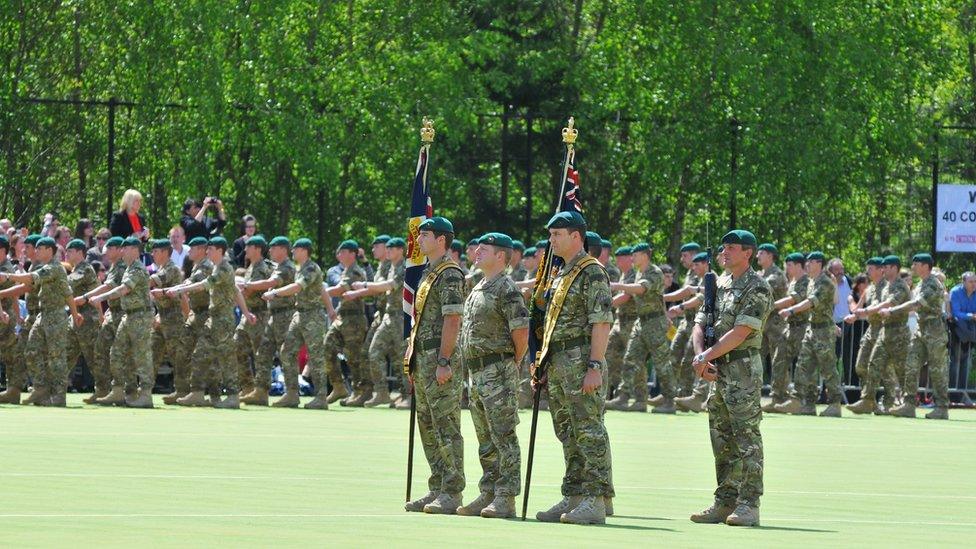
column 161, row 244
column 197, row 241
column 518, row 245
column 302, row 243
column 381, row 239
column 47, row 241
column 437, row 223
column 891, row 260
column 542, row 244
column 530, row 251
column 257, row 240
column 77, row 244
column 396, row 242
column 923, row 258
column 31, row 240
column 701, row 257
column 457, row 246
column 473, row 242
column 739, row 236
column 218, row 242
column 641, row 247
column 114, row 242
column 606, row 244
column 567, row 220
column 501, row 240
column 796, row 257
column 624, row 250
column 132, row 241
column 877, row 261
column 280, row 241
column 769, row 247
column 593, row 241
column 816, row 256
column 350, row 245
column 4, row 243
column 691, row 247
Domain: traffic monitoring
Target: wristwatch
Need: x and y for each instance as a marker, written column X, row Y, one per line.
column 594, row 365
column 443, row 362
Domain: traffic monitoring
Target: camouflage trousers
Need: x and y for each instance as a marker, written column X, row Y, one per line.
column 247, row 341
column 131, row 354
column 887, row 360
column 213, row 364
column 494, row 412
column 648, row 340
column 785, row 354
column 193, row 329
column 733, row 424
column 346, row 335
column 101, row 369
column 46, row 353
column 387, row 345
column 868, row 339
column 306, row 328
column 168, row 338
column 774, row 335
column 577, row 419
column 817, row 359
column 275, row 329
column 928, row 346
column 81, row 340
column 616, row 349
column 681, row 354
column 11, row 352
column 439, row 423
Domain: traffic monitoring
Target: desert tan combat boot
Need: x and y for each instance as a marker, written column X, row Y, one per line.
column 591, row 510
column 831, row 411
column 232, row 402
column 142, row 399
column 194, row 398
column 864, row 406
column 417, row 505
column 10, row 396
column 445, row 504
column 476, row 506
column 338, row 392
column 938, row 413
column 288, row 400
column 743, row 516
column 568, row 503
column 317, row 403
column 500, row 507
column 715, row 514
column 381, row 396
column 115, row 397
column 257, row 397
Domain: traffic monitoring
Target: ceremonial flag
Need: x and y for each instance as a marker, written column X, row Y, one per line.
column 420, row 210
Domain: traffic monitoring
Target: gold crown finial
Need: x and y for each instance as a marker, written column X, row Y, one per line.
column 427, row 132
column 570, row 133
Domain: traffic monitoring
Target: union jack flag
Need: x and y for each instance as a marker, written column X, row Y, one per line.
column 420, row 210
column 572, row 200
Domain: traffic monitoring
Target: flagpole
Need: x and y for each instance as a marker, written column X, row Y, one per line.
column 542, row 283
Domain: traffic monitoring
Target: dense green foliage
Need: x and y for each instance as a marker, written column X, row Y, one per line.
column 820, row 115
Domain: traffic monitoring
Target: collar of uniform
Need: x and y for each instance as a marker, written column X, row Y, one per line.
column 572, row 262
column 493, row 280
column 433, row 263
column 740, row 281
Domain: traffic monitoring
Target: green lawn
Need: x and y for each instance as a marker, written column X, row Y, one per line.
column 257, row 477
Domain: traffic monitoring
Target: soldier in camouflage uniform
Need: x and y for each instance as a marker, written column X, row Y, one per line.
column 82, row 279
column 196, row 321
column 681, row 350
column 169, row 326
column 130, row 358
column 17, row 367
column 247, row 336
column 380, row 274
column 346, row 334
column 8, row 331
column 516, row 270
column 817, row 349
column 213, row 364
column 648, row 338
column 871, row 296
column 681, row 358
column 438, row 305
column 767, row 258
column 613, row 272
column 576, row 334
column 796, row 329
column 494, row 339
column 387, row 342
column 46, row 342
column 101, row 367
column 928, row 344
column 623, row 323
column 890, row 351
column 279, row 315
column 734, row 363
column 308, row 323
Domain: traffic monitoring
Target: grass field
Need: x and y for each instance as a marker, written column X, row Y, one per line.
column 89, row 476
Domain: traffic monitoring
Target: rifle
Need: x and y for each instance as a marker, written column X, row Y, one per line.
column 708, row 308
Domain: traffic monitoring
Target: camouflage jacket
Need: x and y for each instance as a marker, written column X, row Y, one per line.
column 446, row 297
column 492, row 310
column 931, row 299
column 628, row 308
column 51, row 283
column 691, row 279
column 743, row 301
column 222, row 287
column 354, row 308
column 798, row 290
column 257, row 271
column 82, row 280
column 9, row 305
column 652, row 300
column 284, row 273
column 821, row 295
column 309, row 278
column 136, row 279
column 895, row 293
column 872, row 296
column 588, row 301
column 167, row 276
column 201, row 271
column 394, row 296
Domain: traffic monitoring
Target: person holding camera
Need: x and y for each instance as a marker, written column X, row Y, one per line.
column 196, row 222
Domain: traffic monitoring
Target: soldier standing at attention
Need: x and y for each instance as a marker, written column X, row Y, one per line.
column 871, row 296
column 575, row 337
column 280, row 313
column 494, row 339
column 767, row 257
column 796, row 329
column 307, row 325
column 46, row 342
column 248, row 337
column 438, row 306
column 928, row 344
column 169, row 325
column 734, row 364
column 130, row 358
column 82, row 279
column 648, row 337
column 515, row 269
column 213, row 364
column 817, row 358
column 347, row 333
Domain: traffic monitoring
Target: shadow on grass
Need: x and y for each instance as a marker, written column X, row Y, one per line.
column 635, row 517
column 790, row 529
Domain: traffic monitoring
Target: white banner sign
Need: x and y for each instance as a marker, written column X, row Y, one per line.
column 955, row 219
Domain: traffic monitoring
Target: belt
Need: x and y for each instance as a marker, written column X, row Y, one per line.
column 428, row 345
column 736, row 354
column 626, row 318
column 309, row 308
column 485, row 360
column 649, row 316
column 816, row 325
column 571, row 343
